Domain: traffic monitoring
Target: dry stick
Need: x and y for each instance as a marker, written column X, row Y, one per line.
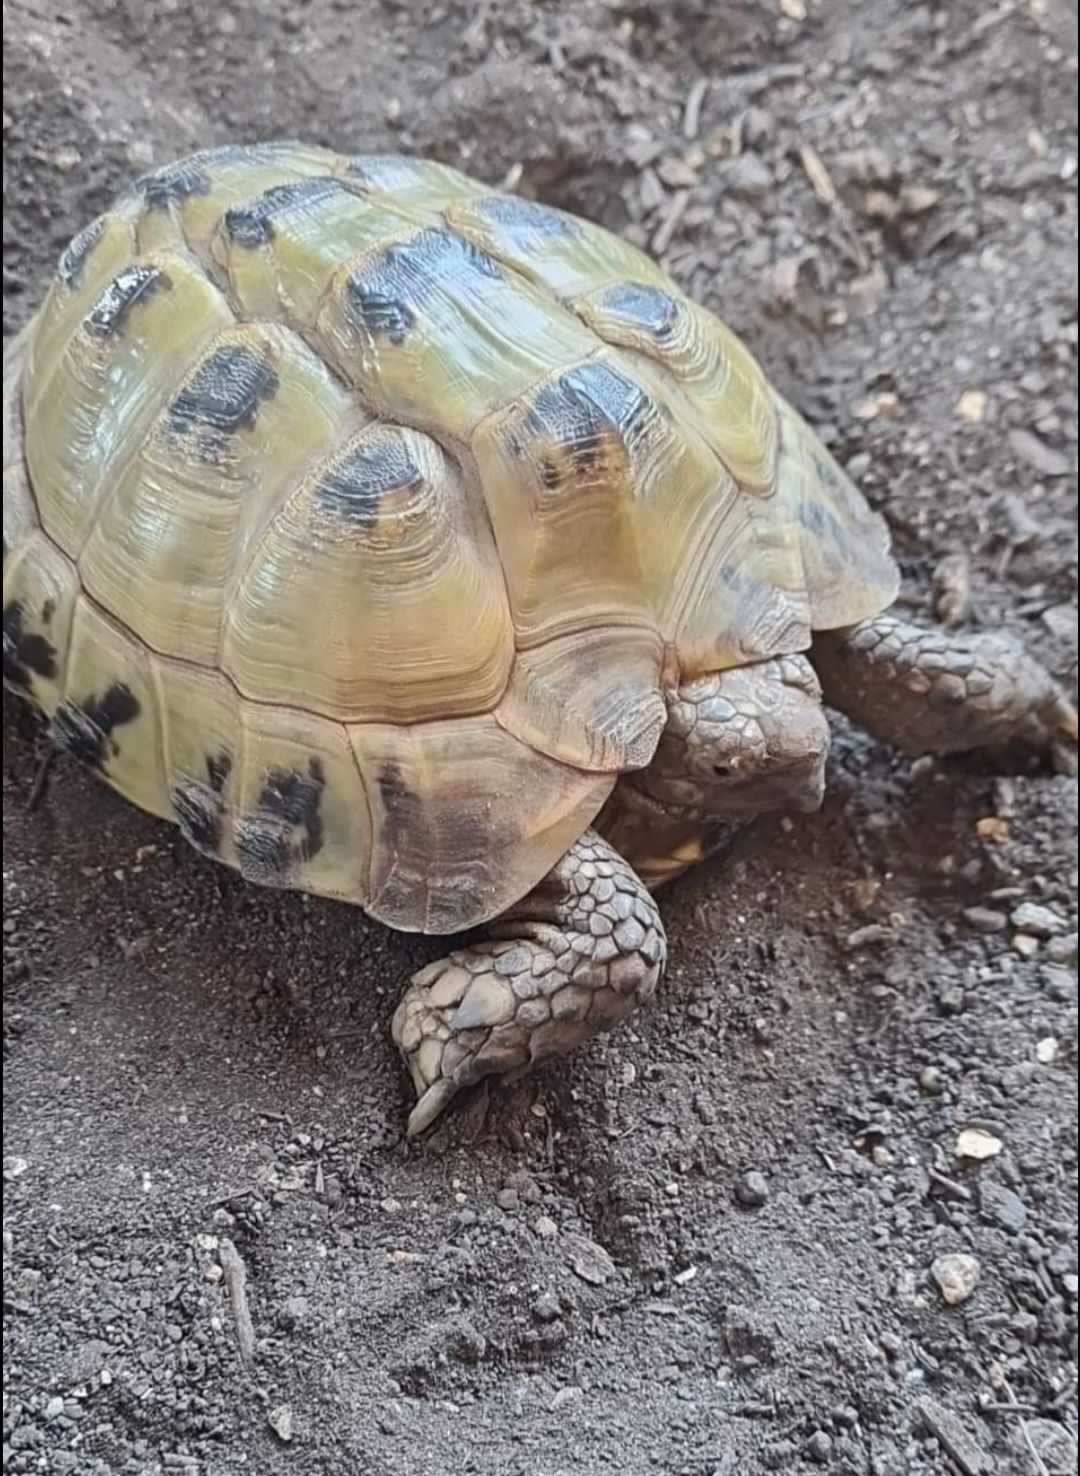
column 821, row 182
column 677, row 208
column 692, row 111
column 236, row 1281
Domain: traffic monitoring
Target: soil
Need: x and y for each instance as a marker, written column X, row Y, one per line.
column 705, row 1245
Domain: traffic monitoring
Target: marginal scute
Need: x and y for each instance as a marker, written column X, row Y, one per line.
column 591, row 698
column 96, row 257
column 179, row 213
column 26, row 652
column 107, row 715
column 301, row 817
column 73, row 260
column 848, row 571
column 465, row 819
column 278, row 798
column 40, row 587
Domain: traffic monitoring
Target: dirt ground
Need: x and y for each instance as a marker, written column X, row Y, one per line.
column 705, row 1246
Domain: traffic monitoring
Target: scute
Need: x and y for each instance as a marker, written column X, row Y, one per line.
column 182, row 517
column 357, row 518
column 465, row 819
column 849, row 570
column 379, row 581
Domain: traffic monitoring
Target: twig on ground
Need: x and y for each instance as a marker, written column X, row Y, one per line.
column 235, row 1275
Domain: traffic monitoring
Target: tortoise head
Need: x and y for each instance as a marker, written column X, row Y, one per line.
column 743, row 741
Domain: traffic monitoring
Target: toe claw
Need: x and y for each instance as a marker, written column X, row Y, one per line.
column 429, row 1106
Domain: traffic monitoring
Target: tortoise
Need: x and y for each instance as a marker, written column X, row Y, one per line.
column 419, row 545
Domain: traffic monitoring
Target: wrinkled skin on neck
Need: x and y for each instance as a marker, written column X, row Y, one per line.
column 737, row 744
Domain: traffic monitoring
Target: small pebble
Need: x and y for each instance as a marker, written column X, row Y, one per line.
column 971, row 406
column 1039, row 921
column 931, row 1080
column 1002, row 1206
column 956, row 1276
column 752, row 1189
column 1025, row 945
column 1062, row 950
column 985, row 919
column 748, row 177
column 977, row 1143
column 590, row 1261
column 819, row 1447
column 280, row 1421
column 545, row 1227
column 546, row 1308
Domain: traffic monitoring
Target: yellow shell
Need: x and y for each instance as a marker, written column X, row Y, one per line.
column 357, row 518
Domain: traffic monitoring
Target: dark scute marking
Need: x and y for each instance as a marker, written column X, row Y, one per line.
column 355, row 487
column 253, row 224
column 190, row 176
column 286, row 828
column 200, row 808
column 527, row 219
column 218, row 769
column 70, row 268
column 25, row 652
column 386, row 296
column 403, row 810
column 817, row 519
column 433, row 872
column 583, row 412
column 649, row 307
column 175, row 182
column 223, row 395
column 752, row 595
column 84, row 729
column 48, row 610
column 386, row 170
column 116, row 301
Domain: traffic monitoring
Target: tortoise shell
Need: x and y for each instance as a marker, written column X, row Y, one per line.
column 357, row 518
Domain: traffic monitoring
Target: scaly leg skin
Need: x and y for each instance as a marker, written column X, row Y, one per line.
column 572, row 958
column 933, row 691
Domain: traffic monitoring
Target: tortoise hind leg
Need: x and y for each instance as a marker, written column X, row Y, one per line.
column 570, row 959
column 933, row 691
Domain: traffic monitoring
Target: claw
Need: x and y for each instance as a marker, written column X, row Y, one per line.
column 431, row 1103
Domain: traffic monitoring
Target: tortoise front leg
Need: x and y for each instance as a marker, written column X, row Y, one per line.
column 933, row 691
column 573, row 957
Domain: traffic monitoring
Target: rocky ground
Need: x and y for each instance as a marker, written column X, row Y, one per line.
column 816, row 1211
